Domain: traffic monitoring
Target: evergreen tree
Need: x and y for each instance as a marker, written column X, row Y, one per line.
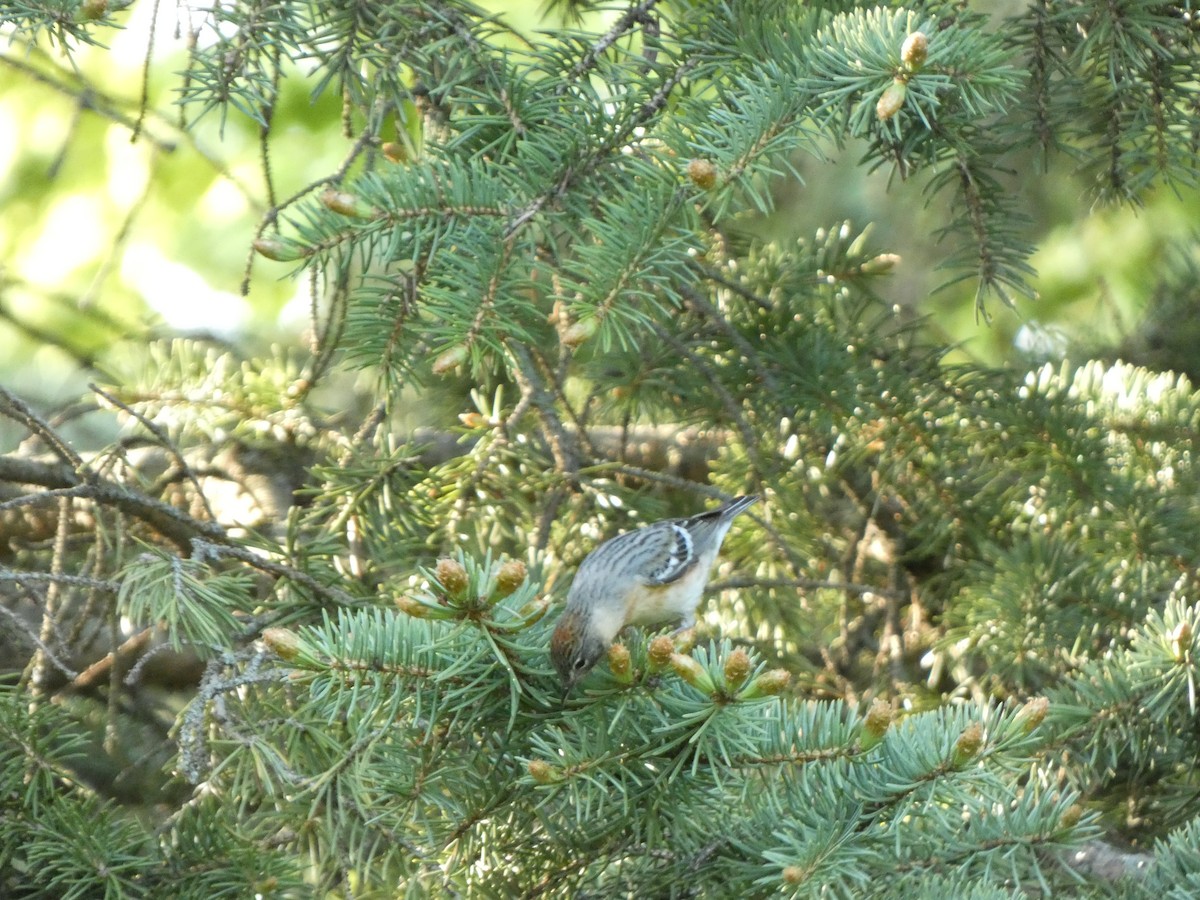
column 952, row 652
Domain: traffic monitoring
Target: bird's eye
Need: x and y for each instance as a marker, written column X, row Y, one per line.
column 579, row 663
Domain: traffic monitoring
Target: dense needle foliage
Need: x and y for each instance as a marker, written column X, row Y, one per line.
column 954, row 645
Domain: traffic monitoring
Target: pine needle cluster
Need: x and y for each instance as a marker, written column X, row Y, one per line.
column 954, row 646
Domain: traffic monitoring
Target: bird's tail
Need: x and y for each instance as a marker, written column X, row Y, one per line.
column 736, row 505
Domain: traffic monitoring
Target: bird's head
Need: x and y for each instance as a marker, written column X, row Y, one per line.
column 575, row 647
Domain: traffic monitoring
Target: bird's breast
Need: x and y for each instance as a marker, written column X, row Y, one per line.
column 653, row 604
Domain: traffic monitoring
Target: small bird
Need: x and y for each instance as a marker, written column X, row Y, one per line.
column 645, row 577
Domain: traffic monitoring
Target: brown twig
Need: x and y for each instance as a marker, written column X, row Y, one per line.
column 164, row 442
column 20, row 625
column 112, row 664
column 189, row 534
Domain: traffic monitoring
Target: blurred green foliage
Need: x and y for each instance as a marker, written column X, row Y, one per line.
column 109, row 228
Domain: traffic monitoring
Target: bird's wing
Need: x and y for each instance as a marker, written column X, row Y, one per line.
column 656, row 554
column 686, row 540
column 666, row 551
column 676, row 554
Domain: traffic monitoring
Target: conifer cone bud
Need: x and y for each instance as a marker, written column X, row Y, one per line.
column 876, row 724
column 687, row 668
column 344, row 203
column 768, row 684
column 580, row 332
column 451, row 575
column 1033, row 713
column 395, row 152
column 702, row 173
column 283, row 642
column 533, row 611
column 877, row 265
column 1181, row 641
column 410, row 606
column 510, row 577
column 450, row 359
column 914, row 50
column 93, row 9
column 684, row 640
column 543, row 772
column 414, row 608
column 737, row 669
column 659, row 654
column 792, row 875
column 280, row 251
column 891, row 99
column 619, row 662
column 968, row 744
column 1071, row 815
